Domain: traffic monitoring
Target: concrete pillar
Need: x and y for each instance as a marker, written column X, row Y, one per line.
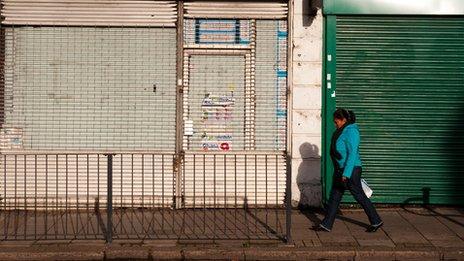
column 306, row 103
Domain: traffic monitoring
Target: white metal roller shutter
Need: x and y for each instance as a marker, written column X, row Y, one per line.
column 215, row 101
column 70, row 88
column 89, row 13
column 236, row 9
column 53, row 181
column 143, row 180
column 265, row 74
column 252, row 174
column 80, row 181
column 271, row 85
column 234, row 179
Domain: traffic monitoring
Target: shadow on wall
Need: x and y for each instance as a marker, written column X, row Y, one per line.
column 308, row 178
column 310, row 8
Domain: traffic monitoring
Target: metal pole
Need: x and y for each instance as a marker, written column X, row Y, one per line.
column 288, row 154
column 109, row 203
column 288, row 201
column 178, row 159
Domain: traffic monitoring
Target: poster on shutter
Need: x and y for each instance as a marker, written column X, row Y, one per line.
column 220, row 142
column 228, row 32
column 217, row 122
column 11, row 138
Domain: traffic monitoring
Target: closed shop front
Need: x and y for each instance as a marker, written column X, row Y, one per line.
column 82, row 79
column 189, row 96
column 400, row 67
column 235, row 103
column 88, row 76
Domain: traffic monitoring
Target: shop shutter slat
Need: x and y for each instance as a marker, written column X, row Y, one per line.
column 234, row 180
column 236, row 9
column 59, row 181
column 404, row 77
column 216, row 77
column 90, row 89
column 90, row 13
column 271, row 86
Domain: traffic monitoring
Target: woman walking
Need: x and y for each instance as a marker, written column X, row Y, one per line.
column 344, row 151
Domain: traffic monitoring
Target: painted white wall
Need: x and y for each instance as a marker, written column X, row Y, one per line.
column 306, row 103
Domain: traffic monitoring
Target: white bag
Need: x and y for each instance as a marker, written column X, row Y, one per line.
column 367, row 190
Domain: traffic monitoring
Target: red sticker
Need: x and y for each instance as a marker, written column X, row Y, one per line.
column 224, row 146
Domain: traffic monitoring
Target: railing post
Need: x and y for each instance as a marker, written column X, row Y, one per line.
column 178, row 200
column 109, row 201
column 288, row 200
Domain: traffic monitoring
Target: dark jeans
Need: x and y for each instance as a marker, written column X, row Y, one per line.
column 354, row 185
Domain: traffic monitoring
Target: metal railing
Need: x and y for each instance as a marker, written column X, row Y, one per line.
column 238, row 195
column 53, row 196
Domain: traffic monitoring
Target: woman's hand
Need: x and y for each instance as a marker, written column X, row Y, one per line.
column 344, row 179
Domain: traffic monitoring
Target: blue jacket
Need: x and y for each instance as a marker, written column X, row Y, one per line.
column 348, row 146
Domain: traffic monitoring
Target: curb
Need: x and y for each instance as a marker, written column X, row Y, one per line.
column 152, row 252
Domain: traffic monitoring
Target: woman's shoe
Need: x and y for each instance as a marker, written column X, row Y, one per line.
column 373, row 228
column 321, row 227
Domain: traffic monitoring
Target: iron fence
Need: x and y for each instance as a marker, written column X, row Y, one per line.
column 238, row 195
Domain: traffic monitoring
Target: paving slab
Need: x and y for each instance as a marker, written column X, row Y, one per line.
column 18, row 243
column 452, row 218
column 357, row 224
column 431, row 228
column 160, row 243
column 340, row 235
column 400, row 231
column 311, row 238
column 302, row 232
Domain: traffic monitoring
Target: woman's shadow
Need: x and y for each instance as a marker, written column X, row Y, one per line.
column 309, row 182
column 308, row 178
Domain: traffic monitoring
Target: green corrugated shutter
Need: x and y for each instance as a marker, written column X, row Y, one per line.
column 404, row 77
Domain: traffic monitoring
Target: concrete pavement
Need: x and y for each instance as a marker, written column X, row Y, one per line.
column 408, row 234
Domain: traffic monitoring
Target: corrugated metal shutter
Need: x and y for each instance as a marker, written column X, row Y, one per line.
column 236, row 9
column 89, row 13
column 235, row 88
column 215, row 100
column 234, row 179
column 404, row 76
column 271, row 85
column 91, row 89
column 55, row 181
column 265, row 78
column 143, row 180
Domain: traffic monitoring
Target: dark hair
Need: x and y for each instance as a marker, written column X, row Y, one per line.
column 342, row 113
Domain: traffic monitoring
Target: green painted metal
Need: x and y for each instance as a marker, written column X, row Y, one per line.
column 404, row 77
column 329, row 81
column 394, row 7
